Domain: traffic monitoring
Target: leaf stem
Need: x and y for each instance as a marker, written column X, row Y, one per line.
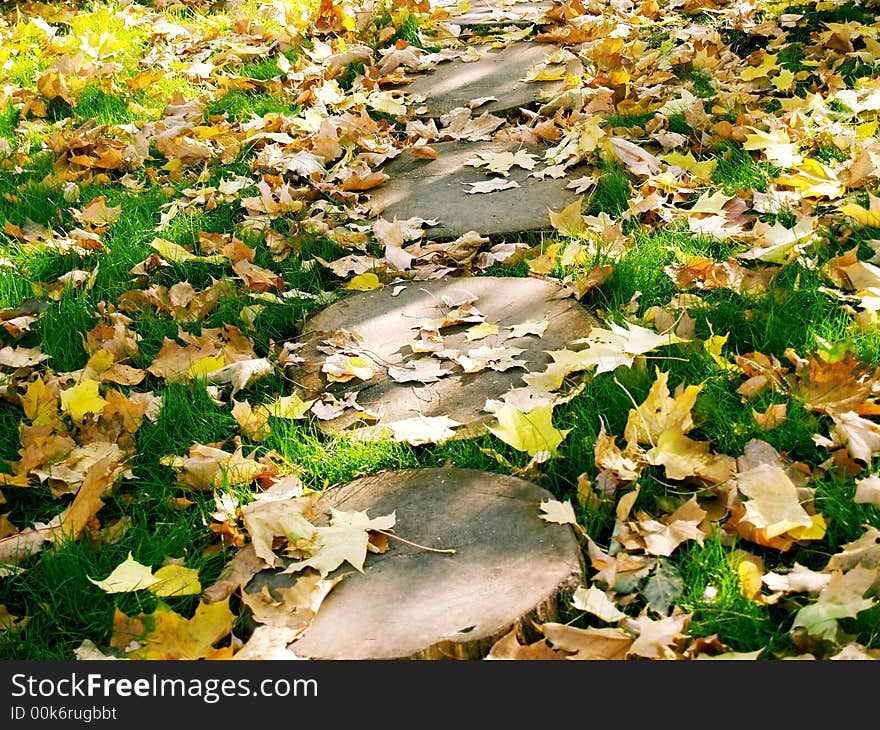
column 449, row 551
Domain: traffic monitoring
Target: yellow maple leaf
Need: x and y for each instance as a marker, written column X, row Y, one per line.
column 39, row 403
column 776, row 146
column 176, row 580
column 683, row 457
column 81, row 399
column 253, row 422
column 342, row 368
column 363, row 282
column 660, row 412
column 768, row 64
column 544, row 263
column 812, row 179
column 532, row 432
column 479, row 331
column 201, row 367
column 816, row 531
column 773, row 505
column 869, row 216
column 178, row 254
column 689, row 163
column 100, row 361
column 126, row 577
column 783, row 81
column 165, row 634
column 750, row 576
column 714, row 346
column 569, row 221
column 289, row 406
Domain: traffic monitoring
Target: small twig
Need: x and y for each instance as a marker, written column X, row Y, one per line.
column 449, row 551
column 28, row 530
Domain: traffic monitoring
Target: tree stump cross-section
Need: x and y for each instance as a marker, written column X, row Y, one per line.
column 386, row 324
column 510, row 570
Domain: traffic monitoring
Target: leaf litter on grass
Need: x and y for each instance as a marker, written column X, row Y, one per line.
column 771, row 167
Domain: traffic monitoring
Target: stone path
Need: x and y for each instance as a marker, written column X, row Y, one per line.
column 500, row 73
column 438, row 190
column 439, row 350
column 509, row 568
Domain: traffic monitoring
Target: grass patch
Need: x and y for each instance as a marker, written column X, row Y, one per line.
column 713, row 592
column 737, row 171
column 243, row 105
column 613, row 191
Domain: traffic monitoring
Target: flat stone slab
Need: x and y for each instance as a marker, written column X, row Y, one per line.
column 386, row 325
column 509, row 567
column 438, row 190
column 499, row 73
column 497, row 12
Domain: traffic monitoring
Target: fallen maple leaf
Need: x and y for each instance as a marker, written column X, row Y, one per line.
column 165, row 634
column 342, row 368
column 509, row 648
column 588, row 644
column 569, row 221
column 596, row 601
column 869, row 216
column 368, row 281
column 420, row 370
column 345, row 540
column 610, row 348
column 420, row 429
column 682, row 457
column 842, row 597
column 561, row 513
column 868, row 491
column 657, row 639
column 492, row 185
column 532, row 432
column 637, row 160
column 773, row 504
column 128, row 576
column 289, row 406
column 501, row 162
column 266, row 520
column 660, row 412
column 207, row 467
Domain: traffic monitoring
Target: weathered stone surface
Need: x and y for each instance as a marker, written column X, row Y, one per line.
column 438, row 189
column 499, row 73
column 509, row 567
column 498, row 12
column 386, row 324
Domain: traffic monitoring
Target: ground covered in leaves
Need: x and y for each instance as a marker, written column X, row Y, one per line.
column 184, row 184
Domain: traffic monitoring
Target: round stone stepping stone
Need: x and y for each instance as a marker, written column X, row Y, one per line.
column 438, row 190
column 499, row 73
column 510, row 568
column 387, row 323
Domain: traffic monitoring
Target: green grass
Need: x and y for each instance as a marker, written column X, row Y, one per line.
column 740, row 623
column 737, row 170
column 103, row 106
column 243, row 105
column 612, row 192
column 701, row 82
